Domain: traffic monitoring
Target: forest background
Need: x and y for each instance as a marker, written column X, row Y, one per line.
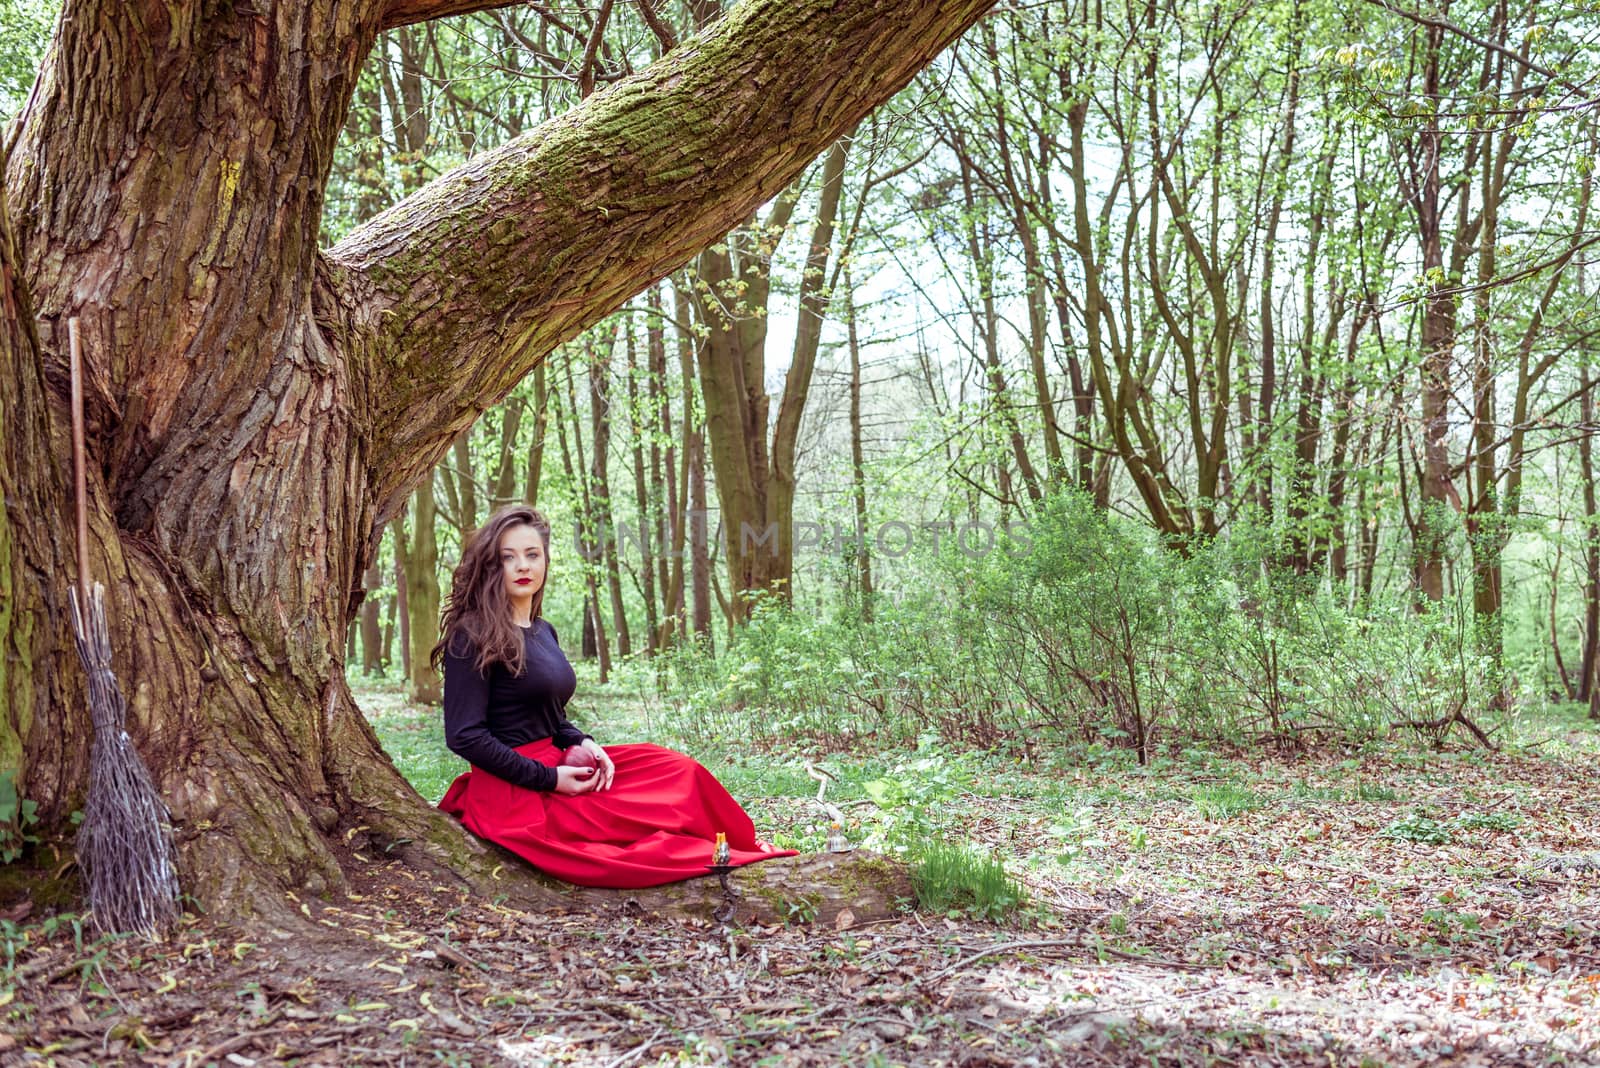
column 1268, row 329
column 1143, row 381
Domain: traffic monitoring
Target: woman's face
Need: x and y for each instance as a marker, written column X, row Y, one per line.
column 522, row 562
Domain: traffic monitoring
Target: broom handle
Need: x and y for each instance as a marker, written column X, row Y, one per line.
column 80, row 477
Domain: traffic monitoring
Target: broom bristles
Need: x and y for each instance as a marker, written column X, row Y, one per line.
column 125, row 844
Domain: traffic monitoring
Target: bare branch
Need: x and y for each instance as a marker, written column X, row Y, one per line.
column 1489, row 46
column 592, row 49
column 658, row 26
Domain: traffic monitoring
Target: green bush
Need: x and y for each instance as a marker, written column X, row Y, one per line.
column 1087, row 628
column 1078, row 624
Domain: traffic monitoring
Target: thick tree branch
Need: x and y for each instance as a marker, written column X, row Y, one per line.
column 470, row 282
column 406, row 12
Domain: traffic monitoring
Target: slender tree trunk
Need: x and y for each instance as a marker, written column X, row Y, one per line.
column 858, row 464
column 1591, row 495
column 1267, row 293
column 1554, row 601
column 601, row 513
column 1431, row 526
column 590, row 532
column 1309, row 518
column 697, row 615
column 1589, row 680
column 402, row 585
column 813, row 310
column 466, row 479
column 700, row 534
column 372, row 653
column 1136, row 445
column 1344, row 406
column 541, row 426
column 639, row 426
column 1486, row 530
column 1020, row 203
column 666, row 497
column 682, row 533
column 422, row 596
column 505, row 479
column 391, row 626
column 987, row 320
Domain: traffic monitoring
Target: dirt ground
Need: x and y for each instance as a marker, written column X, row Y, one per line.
column 1173, row 922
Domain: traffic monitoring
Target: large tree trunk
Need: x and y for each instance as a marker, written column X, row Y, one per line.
column 259, row 408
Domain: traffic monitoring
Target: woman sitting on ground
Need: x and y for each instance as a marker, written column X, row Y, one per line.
column 638, row 815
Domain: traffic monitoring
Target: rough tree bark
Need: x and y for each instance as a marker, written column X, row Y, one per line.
column 259, row 407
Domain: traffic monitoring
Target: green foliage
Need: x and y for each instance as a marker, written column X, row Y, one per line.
column 1488, row 821
column 1085, row 628
column 914, row 817
column 914, row 801
column 17, row 815
column 1079, row 832
column 956, row 879
column 1420, row 828
column 1078, row 620
column 413, row 736
column 89, row 952
column 24, row 33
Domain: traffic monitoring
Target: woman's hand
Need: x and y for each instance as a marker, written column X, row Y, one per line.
column 572, row 781
column 607, row 770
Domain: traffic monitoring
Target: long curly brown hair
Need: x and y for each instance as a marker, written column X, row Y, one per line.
column 477, row 613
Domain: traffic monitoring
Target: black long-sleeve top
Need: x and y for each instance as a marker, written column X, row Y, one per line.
column 485, row 718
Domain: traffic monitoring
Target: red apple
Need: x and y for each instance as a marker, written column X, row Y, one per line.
column 579, row 757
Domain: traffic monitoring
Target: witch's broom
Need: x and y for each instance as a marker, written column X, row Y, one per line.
column 125, row 843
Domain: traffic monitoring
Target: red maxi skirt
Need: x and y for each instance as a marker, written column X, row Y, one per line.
column 657, row 823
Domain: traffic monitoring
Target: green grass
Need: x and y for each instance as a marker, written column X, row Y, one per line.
column 1223, row 801
column 954, row 878
column 412, row 735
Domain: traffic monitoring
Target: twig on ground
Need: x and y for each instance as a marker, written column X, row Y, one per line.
column 637, row 1051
